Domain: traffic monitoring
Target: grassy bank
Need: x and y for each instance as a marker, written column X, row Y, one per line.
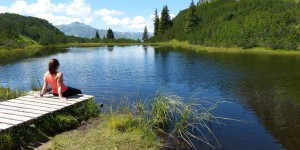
column 106, row 132
column 7, row 55
column 7, row 93
column 201, row 48
column 142, row 125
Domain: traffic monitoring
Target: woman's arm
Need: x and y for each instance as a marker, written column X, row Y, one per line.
column 44, row 87
column 59, row 83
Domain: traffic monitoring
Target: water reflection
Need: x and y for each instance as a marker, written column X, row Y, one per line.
column 145, row 47
column 9, row 56
column 110, row 48
column 270, row 86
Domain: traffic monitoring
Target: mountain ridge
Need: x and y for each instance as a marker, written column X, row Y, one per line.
column 86, row 31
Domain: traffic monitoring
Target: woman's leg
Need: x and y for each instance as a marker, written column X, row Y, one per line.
column 71, row 91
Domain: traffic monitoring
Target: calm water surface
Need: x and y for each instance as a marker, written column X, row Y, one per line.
column 261, row 90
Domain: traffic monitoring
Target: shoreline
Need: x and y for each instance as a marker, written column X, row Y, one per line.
column 202, row 48
column 173, row 43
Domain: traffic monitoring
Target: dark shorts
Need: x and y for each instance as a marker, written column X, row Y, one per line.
column 70, row 92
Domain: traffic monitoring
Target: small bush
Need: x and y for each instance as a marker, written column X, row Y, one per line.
column 6, row 140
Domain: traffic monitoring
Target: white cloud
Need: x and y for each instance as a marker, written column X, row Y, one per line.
column 3, row 9
column 88, row 20
column 78, row 10
column 57, row 20
column 172, row 16
column 137, row 23
column 41, row 6
column 62, row 13
column 18, row 7
column 106, row 12
column 159, row 15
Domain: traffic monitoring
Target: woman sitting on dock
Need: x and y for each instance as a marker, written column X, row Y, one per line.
column 56, row 81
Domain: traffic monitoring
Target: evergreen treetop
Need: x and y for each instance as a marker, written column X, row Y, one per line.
column 145, row 34
column 192, row 18
column 156, row 23
column 110, row 34
column 97, row 36
column 165, row 20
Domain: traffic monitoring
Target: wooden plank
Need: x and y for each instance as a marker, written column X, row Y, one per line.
column 30, row 107
column 49, row 99
column 44, row 97
column 27, row 106
column 35, row 104
column 5, row 126
column 15, row 117
column 70, row 100
column 9, row 121
column 59, row 103
column 14, row 112
column 40, row 112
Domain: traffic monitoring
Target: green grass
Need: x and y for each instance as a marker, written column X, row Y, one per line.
column 108, row 132
column 201, row 48
column 7, row 93
column 139, row 125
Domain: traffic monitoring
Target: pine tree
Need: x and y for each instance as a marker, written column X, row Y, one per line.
column 97, row 36
column 165, row 20
column 110, row 34
column 145, row 34
column 191, row 18
column 156, row 23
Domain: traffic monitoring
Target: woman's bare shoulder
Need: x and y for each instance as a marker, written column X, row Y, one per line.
column 46, row 73
column 59, row 74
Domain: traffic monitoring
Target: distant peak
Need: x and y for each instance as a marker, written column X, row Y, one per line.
column 76, row 23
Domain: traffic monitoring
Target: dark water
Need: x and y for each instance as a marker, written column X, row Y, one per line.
column 261, row 90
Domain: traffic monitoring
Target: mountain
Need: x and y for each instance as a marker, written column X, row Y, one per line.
column 86, row 31
column 240, row 23
column 19, row 31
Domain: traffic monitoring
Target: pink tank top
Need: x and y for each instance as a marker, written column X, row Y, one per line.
column 50, row 79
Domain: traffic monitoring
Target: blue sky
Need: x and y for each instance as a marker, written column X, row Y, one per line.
column 120, row 15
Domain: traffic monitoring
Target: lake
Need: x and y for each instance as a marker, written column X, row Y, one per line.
column 261, row 92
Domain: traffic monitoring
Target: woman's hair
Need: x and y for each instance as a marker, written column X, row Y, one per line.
column 53, row 63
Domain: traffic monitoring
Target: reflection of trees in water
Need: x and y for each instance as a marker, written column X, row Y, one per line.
column 161, row 56
column 276, row 108
column 267, row 84
column 270, row 86
column 110, row 48
column 9, row 56
column 145, row 47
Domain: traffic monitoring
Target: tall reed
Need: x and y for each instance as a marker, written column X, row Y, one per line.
column 184, row 120
column 35, row 84
column 7, row 93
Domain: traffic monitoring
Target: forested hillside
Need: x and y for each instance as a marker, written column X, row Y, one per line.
column 19, row 31
column 244, row 23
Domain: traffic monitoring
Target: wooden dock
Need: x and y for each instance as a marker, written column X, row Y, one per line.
column 28, row 108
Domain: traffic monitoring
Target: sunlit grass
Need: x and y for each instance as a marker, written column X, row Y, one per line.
column 7, row 93
column 183, row 120
column 35, row 84
column 202, row 48
column 110, row 131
